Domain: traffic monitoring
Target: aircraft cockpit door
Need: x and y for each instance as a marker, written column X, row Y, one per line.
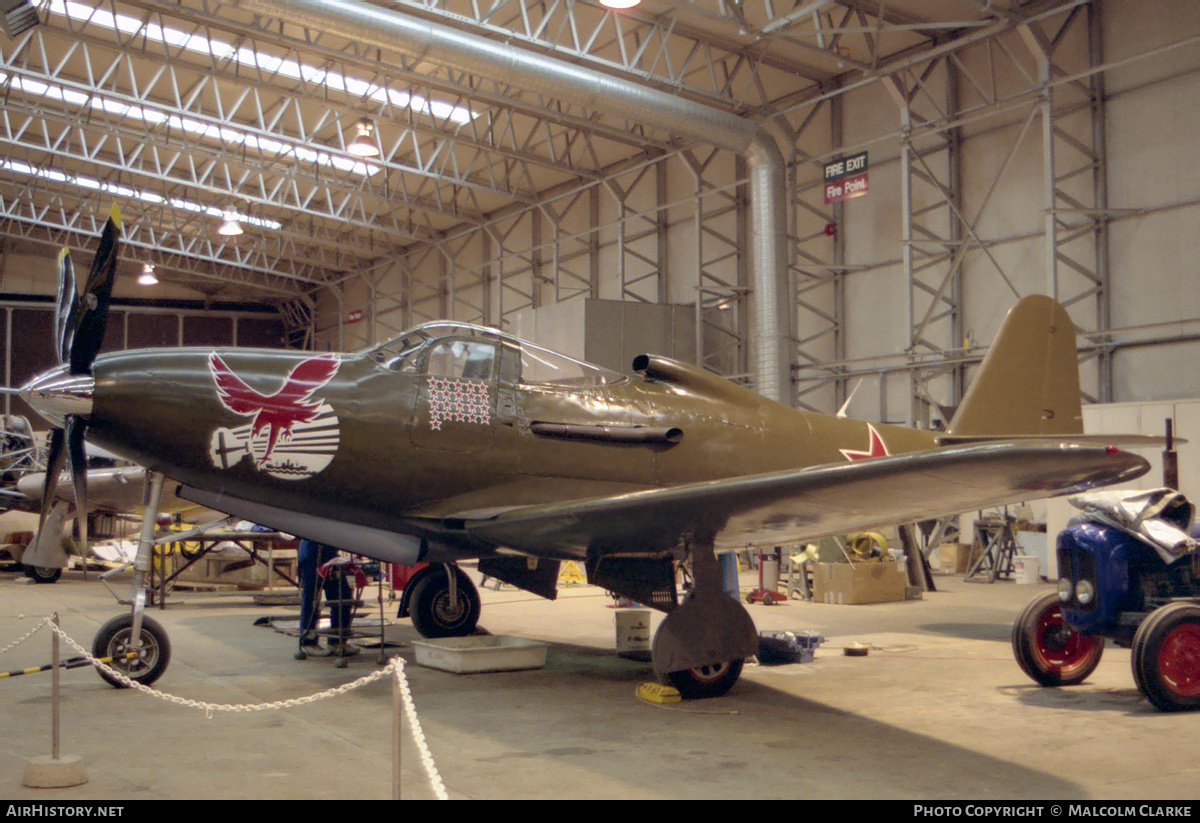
column 456, row 395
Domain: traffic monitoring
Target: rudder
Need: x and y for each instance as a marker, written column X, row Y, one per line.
column 1028, row 383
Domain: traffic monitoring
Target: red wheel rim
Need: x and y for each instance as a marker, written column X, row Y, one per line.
column 710, row 673
column 1060, row 646
column 1179, row 660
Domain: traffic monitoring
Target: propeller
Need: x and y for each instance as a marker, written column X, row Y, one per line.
column 80, row 323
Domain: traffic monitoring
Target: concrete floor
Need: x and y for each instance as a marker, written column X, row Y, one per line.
column 937, row 710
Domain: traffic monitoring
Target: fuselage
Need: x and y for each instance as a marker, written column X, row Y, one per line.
column 448, row 421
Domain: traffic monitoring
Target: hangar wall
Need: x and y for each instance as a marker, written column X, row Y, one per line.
column 918, row 271
column 901, row 288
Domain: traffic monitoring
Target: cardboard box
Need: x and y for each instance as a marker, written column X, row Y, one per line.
column 955, row 558
column 853, row 583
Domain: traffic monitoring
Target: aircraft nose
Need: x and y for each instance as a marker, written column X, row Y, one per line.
column 57, row 393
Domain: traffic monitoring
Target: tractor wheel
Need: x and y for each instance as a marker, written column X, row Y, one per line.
column 1166, row 657
column 1050, row 651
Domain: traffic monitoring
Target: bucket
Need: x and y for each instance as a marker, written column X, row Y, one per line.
column 633, row 633
column 1026, row 569
column 770, row 572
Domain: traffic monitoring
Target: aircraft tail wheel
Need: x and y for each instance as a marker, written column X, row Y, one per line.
column 1050, row 651
column 1166, row 657
column 154, row 653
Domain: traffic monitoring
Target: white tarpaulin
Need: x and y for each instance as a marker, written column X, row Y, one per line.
column 1160, row 518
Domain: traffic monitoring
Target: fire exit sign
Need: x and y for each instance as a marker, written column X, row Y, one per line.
column 846, row 178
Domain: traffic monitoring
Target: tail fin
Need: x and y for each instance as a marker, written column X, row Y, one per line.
column 1028, row 383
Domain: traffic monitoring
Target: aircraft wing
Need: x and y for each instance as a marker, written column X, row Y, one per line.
column 786, row 507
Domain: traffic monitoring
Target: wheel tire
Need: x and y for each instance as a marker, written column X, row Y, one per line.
column 113, row 641
column 1166, row 657
column 706, row 681
column 1050, row 651
column 43, row 574
column 432, row 613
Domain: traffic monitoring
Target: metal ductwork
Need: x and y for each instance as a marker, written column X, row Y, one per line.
column 441, row 44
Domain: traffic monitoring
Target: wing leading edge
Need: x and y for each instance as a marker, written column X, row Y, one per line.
column 786, row 507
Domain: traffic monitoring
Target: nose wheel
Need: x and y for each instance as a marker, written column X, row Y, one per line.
column 143, row 662
column 137, row 645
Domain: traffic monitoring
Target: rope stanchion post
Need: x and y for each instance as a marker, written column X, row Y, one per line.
column 401, row 698
column 396, row 736
column 55, row 771
column 54, row 691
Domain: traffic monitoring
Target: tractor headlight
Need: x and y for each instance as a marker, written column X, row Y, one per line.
column 1085, row 592
column 1064, row 590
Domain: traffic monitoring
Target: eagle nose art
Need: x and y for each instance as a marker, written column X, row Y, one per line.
column 57, row 393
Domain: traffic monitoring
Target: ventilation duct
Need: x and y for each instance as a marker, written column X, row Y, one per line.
column 386, row 29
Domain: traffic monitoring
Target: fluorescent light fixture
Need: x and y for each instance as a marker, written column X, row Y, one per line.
column 620, row 4
column 208, row 131
column 251, row 59
column 147, row 278
column 117, row 191
column 229, row 226
column 363, row 145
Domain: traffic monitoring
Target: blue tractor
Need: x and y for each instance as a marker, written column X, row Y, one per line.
column 1129, row 572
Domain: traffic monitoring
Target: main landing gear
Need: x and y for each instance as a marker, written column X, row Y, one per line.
column 442, row 602
column 700, row 646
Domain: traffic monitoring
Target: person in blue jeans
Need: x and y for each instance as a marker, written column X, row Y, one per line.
column 309, row 557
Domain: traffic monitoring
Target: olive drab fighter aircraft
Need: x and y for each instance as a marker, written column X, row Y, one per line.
column 456, row 442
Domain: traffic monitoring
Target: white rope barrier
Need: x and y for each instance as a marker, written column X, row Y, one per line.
column 395, row 667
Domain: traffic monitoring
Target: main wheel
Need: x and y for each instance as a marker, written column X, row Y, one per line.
column 114, row 640
column 706, row 681
column 1166, row 657
column 1050, row 651
column 432, row 612
column 43, row 574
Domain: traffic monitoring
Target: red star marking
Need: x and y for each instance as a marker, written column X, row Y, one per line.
column 877, row 449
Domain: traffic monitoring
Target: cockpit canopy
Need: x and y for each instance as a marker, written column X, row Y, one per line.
column 445, row 349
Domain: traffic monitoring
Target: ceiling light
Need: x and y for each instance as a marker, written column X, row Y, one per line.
column 147, row 278
column 363, row 145
column 229, row 227
column 620, row 4
column 17, row 16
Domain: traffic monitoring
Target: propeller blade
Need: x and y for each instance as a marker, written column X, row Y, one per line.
column 93, row 315
column 54, row 465
column 67, row 316
column 76, row 427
